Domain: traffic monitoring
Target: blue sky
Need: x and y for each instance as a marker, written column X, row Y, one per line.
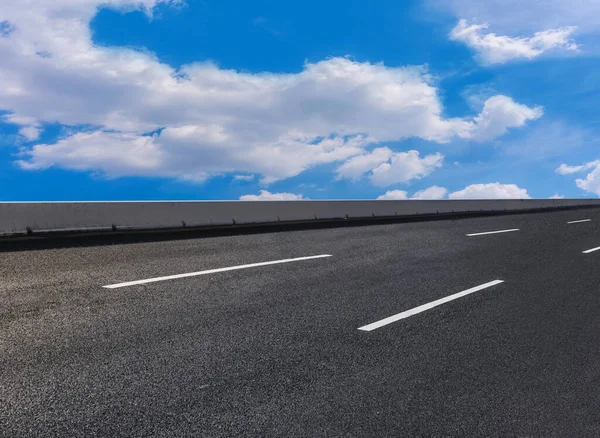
column 230, row 99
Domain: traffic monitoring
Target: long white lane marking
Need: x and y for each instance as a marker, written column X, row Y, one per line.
column 578, row 222
column 213, row 271
column 493, row 232
column 424, row 307
column 591, row 250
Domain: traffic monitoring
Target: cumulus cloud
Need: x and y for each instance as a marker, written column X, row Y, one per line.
column 433, row 192
column 557, row 196
column 174, row 153
column 498, row 49
column 491, row 191
column 268, row 196
column 30, row 133
column 100, row 151
column 393, row 195
column 565, row 169
column 499, row 114
column 357, row 166
column 144, row 117
column 525, row 16
column 405, row 166
column 591, row 183
column 385, row 167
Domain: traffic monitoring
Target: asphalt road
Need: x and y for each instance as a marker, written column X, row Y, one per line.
column 276, row 350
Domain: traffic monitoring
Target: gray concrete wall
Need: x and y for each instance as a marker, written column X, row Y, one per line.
column 16, row 218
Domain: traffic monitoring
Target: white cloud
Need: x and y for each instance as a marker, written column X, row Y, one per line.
column 405, row 166
column 174, row 153
column 557, row 196
column 499, row 114
column 357, row 166
column 385, row 167
column 490, row 191
column 268, row 196
column 30, row 129
column 591, row 183
column 565, row 169
column 433, row 192
column 498, row 49
column 208, row 120
column 100, row 150
column 243, row 177
column 525, row 16
column 30, row 133
column 393, row 195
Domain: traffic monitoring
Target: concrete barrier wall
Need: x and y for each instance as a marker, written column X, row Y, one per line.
column 18, row 218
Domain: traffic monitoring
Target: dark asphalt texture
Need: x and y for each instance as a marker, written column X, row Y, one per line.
column 276, row 350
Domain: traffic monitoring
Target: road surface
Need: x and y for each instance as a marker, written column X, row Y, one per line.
column 473, row 327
